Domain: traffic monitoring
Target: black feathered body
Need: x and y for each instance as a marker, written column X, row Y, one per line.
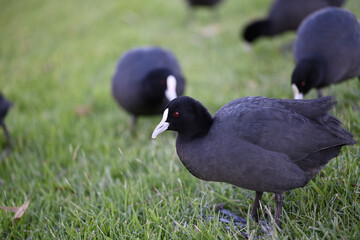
column 132, row 69
column 285, row 15
column 4, row 107
column 204, row 3
column 333, row 36
column 265, row 144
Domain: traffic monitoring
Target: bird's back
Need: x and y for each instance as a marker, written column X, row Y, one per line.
column 336, row 3
column 288, row 14
column 132, row 68
column 136, row 63
column 302, row 130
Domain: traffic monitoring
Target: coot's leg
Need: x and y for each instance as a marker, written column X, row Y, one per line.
column 253, row 213
column 7, row 135
column 279, row 197
column 256, row 205
column 216, row 13
column 319, row 93
column 133, row 123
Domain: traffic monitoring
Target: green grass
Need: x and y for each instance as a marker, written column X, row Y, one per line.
column 89, row 178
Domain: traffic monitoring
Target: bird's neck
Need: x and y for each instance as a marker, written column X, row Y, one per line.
column 197, row 129
column 152, row 92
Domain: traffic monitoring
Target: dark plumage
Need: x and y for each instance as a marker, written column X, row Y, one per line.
column 257, row 143
column 146, row 79
column 4, row 108
column 285, row 15
column 203, row 3
column 327, row 50
column 194, row 4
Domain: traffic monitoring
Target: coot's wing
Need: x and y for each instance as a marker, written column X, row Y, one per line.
column 285, row 131
column 285, row 126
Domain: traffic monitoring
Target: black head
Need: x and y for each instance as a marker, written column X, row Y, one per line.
column 186, row 116
column 255, row 30
column 158, row 84
column 308, row 74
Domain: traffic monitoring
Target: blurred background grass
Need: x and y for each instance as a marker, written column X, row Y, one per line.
column 74, row 156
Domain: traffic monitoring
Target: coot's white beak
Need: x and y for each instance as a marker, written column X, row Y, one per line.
column 170, row 92
column 297, row 93
column 162, row 126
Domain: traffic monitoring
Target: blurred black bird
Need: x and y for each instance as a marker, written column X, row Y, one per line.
column 146, row 79
column 284, row 15
column 257, row 143
column 4, row 108
column 192, row 4
column 203, row 3
column 327, row 50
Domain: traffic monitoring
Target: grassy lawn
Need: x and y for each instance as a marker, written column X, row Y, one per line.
column 88, row 177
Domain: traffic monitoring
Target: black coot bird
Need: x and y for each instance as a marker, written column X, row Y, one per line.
column 257, row 143
column 192, row 4
column 4, row 108
column 284, row 15
column 146, row 79
column 203, row 3
column 327, row 50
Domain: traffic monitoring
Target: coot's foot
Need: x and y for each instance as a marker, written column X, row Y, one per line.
column 228, row 217
column 238, row 221
column 266, row 228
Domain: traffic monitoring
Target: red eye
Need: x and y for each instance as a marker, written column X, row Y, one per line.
column 302, row 83
column 163, row 82
column 176, row 114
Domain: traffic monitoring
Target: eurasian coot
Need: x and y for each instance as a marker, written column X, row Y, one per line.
column 284, row 15
column 327, row 50
column 146, row 79
column 257, row 143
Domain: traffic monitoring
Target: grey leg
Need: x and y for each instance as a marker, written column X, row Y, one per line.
column 217, row 13
column 133, row 123
column 7, row 135
column 279, row 197
column 256, row 205
column 190, row 13
column 319, row 93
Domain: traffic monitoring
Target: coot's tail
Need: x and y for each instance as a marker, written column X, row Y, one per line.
column 317, row 110
column 314, row 162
